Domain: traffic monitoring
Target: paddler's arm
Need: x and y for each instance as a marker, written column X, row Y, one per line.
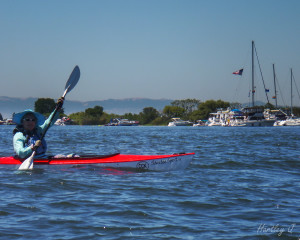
column 56, row 116
column 20, row 150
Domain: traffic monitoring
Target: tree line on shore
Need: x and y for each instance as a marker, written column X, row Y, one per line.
column 188, row 109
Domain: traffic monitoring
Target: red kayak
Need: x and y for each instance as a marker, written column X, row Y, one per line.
column 143, row 162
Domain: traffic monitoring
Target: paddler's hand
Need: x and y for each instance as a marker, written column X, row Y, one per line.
column 60, row 102
column 36, row 145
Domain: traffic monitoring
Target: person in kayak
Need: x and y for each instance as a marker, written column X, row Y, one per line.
column 27, row 134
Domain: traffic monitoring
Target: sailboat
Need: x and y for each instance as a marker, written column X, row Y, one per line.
column 254, row 115
column 277, row 114
column 291, row 120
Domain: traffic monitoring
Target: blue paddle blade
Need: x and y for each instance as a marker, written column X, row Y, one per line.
column 73, row 79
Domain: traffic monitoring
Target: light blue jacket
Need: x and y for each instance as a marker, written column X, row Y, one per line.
column 19, row 140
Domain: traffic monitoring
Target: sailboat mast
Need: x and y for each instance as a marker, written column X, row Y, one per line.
column 291, row 91
column 275, row 85
column 253, row 90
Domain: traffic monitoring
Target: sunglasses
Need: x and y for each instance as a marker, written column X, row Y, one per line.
column 29, row 119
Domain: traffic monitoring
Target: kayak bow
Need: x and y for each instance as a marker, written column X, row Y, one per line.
column 140, row 162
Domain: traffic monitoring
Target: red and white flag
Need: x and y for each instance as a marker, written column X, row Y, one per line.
column 239, row 72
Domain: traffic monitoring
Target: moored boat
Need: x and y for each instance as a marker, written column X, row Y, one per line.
column 139, row 162
column 63, row 121
column 7, row 122
column 177, row 122
column 218, row 119
column 200, row 123
column 290, row 121
column 122, row 122
column 254, row 117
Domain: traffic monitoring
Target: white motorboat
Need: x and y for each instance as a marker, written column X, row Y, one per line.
column 220, row 118
column 122, row 122
column 291, row 121
column 177, row 122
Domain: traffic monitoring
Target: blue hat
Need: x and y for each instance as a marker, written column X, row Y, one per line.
column 17, row 118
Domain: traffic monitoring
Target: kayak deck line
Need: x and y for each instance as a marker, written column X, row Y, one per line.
column 147, row 162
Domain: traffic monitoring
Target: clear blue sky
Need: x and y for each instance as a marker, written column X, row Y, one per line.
column 155, row 49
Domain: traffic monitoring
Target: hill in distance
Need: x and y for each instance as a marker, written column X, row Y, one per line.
column 9, row 105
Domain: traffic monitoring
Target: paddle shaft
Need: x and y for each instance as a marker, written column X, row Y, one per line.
column 51, row 119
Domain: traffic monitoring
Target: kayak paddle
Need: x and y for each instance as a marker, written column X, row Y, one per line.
column 71, row 83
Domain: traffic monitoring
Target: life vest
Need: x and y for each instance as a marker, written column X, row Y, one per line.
column 41, row 150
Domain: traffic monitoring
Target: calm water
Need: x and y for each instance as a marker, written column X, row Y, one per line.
column 243, row 183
